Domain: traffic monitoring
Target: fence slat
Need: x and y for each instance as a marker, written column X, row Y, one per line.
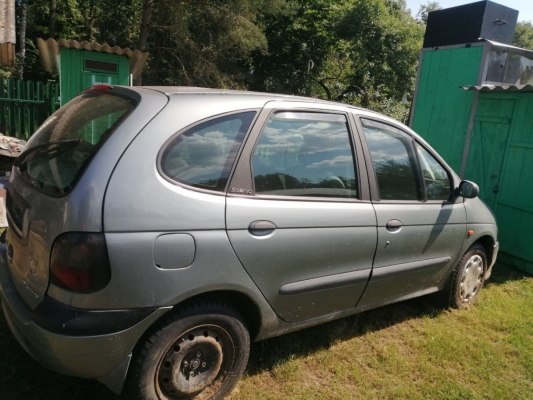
column 24, row 105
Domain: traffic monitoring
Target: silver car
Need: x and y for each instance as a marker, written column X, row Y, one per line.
column 154, row 232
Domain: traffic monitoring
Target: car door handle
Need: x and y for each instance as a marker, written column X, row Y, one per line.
column 393, row 225
column 262, row 228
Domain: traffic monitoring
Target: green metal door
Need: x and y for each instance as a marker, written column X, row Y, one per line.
column 514, row 203
column 488, row 146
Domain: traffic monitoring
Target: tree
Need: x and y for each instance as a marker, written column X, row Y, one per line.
column 362, row 52
column 425, row 9
column 385, row 41
column 202, row 43
column 523, row 36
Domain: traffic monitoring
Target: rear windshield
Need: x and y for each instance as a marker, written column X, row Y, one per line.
column 58, row 152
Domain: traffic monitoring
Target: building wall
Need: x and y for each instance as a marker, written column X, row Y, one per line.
column 75, row 77
column 442, row 109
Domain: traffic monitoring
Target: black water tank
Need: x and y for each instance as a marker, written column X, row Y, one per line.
column 469, row 23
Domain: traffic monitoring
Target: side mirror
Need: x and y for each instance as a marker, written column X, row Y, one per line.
column 467, row 190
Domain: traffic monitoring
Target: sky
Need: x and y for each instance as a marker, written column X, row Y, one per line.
column 525, row 7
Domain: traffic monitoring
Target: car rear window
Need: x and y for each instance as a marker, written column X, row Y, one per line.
column 59, row 151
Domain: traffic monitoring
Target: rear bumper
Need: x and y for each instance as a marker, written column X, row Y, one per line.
column 78, row 351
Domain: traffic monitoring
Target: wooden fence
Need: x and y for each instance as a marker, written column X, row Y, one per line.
column 24, row 105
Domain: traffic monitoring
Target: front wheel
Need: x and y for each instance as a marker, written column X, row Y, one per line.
column 469, row 277
column 199, row 352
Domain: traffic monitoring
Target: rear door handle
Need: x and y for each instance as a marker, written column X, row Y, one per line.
column 262, row 228
column 394, row 225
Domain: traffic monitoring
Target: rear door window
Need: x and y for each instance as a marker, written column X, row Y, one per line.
column 203, row 156
column 305, row 154
column 59, row 151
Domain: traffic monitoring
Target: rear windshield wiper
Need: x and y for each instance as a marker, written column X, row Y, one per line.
column 22, row 159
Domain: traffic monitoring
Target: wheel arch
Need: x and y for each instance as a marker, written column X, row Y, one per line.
column 488, row 242
column 243, row 303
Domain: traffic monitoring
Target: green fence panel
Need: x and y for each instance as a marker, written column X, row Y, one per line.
column 24, row 105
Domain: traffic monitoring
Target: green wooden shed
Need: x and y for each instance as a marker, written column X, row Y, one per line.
column 474, row 104
column 84, row 64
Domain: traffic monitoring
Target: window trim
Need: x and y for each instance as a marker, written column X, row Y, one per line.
column 374, row 185
column 356, row 162
column 175, row 135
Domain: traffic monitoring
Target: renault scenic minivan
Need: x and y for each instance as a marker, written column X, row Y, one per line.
column 154, row 232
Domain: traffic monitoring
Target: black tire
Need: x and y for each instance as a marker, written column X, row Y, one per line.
column 468, row 277
column 197, row 352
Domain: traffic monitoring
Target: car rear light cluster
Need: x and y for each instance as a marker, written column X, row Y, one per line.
column 80, row 262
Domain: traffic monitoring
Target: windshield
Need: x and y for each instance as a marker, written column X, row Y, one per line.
column 58, row 152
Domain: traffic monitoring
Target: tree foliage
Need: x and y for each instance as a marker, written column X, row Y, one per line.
column 425, row 9
column 362, row 52
column 523, row 36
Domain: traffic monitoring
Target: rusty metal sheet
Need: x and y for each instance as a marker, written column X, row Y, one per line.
column 7, row 54
column 10, row 146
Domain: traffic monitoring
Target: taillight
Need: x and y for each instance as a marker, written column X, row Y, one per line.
column 79, row 262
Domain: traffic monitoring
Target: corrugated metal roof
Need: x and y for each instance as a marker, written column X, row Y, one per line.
column 509, row 47
column 50, row 53
column 500, row 88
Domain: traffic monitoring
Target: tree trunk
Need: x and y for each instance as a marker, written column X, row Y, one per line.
column 22, row 38
column 148, row 6
column 145, row 24
column 52, row 19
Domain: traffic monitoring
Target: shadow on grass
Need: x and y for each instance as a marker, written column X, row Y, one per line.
column 22, row 378
column 270, row 353
column 502, row 273
column 25, row 379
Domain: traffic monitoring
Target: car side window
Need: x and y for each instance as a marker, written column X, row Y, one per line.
column 305, row 154
column 437, row 181
column 394, row 161
column 204, row 155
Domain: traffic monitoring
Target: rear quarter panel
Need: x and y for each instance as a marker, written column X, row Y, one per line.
column 140, row 206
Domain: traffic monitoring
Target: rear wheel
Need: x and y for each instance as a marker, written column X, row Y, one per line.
column 199, row 353
column 469, row 277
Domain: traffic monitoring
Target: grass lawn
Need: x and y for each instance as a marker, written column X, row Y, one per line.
column 410, row 350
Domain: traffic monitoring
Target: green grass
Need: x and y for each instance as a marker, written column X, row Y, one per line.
column 410, row 350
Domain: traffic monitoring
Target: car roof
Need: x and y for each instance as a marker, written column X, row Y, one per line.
column 192, row 90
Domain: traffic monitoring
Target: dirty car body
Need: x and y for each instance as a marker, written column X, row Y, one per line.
column 130, row 203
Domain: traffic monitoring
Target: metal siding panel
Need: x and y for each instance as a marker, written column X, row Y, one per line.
column 438, row 116
column 526, row 133
column 423, row 107
column 442, row 109
column 123, row 71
